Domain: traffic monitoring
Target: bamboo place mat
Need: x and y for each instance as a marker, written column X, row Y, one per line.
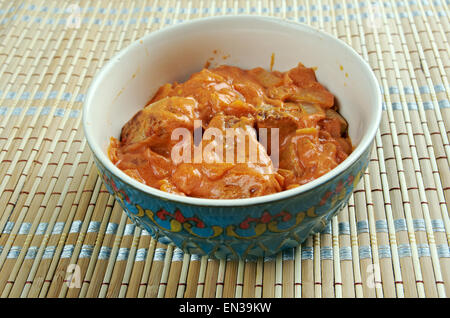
column 57, row 221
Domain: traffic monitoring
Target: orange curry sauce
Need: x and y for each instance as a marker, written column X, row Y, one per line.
column 313, row 137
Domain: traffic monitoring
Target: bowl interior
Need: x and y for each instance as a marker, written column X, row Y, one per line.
column 131, row 78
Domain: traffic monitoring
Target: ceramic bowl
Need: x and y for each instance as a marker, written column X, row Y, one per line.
column 242, row 228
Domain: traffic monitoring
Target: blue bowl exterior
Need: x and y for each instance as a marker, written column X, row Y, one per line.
column 233, row 231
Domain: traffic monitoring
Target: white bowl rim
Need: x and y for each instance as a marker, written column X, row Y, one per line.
column 365, row 142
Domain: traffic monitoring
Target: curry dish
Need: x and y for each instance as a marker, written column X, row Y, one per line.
column 311, row 136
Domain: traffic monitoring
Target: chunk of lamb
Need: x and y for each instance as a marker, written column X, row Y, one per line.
column 155, row 123
column 300, row 85
column 241, row 177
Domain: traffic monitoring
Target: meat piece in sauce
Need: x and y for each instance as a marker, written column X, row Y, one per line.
column 309, row 153
column 155, row 123
column 247, row 174
column 214, row 94
column 300, row 85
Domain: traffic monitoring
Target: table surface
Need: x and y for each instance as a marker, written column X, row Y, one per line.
column 56, row 218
